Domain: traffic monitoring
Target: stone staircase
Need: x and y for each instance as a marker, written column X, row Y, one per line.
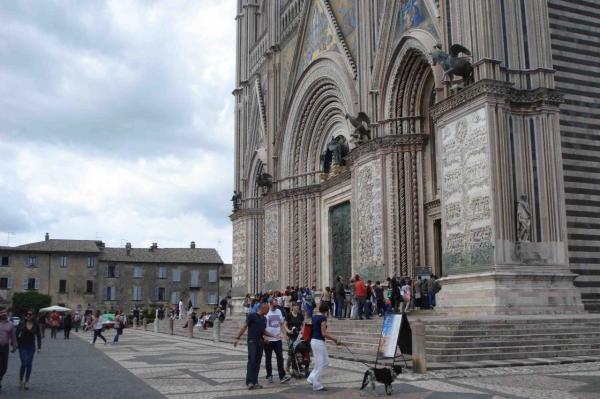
column 519, row 337
column 452, row 341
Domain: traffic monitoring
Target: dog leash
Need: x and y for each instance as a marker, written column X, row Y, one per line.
column 354, row 355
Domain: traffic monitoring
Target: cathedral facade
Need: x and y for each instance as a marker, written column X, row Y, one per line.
column 359, row 151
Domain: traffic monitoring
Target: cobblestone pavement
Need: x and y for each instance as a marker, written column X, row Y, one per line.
column 73, row 369
column 181, row 368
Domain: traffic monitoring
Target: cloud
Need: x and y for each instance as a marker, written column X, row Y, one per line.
column 116, row 120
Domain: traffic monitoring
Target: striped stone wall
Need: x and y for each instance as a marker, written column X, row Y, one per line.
column 575, row 37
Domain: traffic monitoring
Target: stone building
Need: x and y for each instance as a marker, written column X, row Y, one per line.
column 468, row 179
column 83, row 274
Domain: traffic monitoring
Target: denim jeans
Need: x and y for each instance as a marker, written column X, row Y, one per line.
column 360, row 303
column 278, row 348
column 3, row 360
column 255, row 350
column 26, row 354
column 339, row 308
column 98, row 333
column 118, row 331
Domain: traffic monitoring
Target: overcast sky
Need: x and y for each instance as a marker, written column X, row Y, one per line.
column 116, row 121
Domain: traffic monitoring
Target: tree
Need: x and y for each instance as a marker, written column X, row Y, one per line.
column 23, row 301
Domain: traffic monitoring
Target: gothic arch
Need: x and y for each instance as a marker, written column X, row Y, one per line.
column 324, row 94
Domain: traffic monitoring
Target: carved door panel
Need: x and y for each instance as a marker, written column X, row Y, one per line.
column 341, row 240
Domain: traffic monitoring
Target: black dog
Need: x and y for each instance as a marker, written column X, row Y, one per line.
column 385, row 375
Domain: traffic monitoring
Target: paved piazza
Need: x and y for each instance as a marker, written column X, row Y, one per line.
column 181, row 368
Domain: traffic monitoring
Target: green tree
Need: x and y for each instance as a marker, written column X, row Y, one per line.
column 23, row 301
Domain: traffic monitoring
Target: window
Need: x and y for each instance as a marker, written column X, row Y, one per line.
column 162, row 272
column 194, row 279
column 109, row 294
column 175, row 297
column 161, row 294
column 138, row 272
column 5, row 261
column 89, row 287
column 5, row 283
column 62, row 286
column 64, row 260
column 91, row 261
column 111, row 271
column 194, row 298
column 176, row 276
column 212, row 276
column 212, row 298
column 137, row 293
column 31, row 284
column 32, row 261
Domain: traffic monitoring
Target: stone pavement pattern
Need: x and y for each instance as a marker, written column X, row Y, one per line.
column 73, row 369
column 182, row 368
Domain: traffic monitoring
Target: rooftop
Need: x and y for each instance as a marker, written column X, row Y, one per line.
column 53, row 245
column 162, row 255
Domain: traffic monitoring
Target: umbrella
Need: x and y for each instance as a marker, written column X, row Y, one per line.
column 54, row 308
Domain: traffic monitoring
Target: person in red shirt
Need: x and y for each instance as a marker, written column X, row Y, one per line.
column 360, row 290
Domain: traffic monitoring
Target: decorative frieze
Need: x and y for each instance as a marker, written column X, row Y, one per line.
column 239, row 279
column 466, row 199
column 271, row 251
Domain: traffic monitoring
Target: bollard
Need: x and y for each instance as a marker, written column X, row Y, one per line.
column 135, row 326
column 217, row 330
column 419, row 364
column 144, row 323
column 170, row 325
column 190, row 332
column 156, row 321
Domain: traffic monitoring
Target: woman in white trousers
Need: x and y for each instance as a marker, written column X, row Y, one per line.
column 317, row 343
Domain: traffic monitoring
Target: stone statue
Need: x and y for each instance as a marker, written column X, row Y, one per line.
column 362, row 130
column 523, row 219
column 264, row 180
column 236, row 199
column 453, row 64
column 334, row 153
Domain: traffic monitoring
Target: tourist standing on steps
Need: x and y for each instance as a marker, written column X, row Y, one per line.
column 274, row 322
column 360, row 290
column 256, row 324
column 7, row 336
column 292, row 326
column 340, row 298
column 97, row 323
column 317, row 343
column 379, row 298
column 28, row 332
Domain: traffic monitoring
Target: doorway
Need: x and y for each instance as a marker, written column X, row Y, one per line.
column 437, row 247
column 341, row 240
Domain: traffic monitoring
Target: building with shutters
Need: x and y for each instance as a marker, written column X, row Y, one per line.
column 493, row 185
column 83, row 274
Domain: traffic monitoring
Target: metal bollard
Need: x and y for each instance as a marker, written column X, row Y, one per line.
column 419, row 363
column 190, row 332
column 217, row 330
column 170, row 326
column 145, row 323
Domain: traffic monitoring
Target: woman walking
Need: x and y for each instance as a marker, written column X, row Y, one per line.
column 98, row 326
column 28, row 332
column 317, row 343
column 119, row 325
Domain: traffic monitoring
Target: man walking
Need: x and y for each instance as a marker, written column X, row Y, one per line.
column 256, row 324
column 8, row 335
column 340, row 297
column 274, row 322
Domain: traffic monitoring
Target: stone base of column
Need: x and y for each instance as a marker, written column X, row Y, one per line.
column 237, row 303
column 508, row 293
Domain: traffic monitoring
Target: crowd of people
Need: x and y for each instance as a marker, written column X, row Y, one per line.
column 291, row 313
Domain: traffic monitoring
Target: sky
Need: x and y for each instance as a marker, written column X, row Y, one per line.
column 116, row 121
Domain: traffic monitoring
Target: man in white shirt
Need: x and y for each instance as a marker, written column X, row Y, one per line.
column 274, row 322
column 180, row 309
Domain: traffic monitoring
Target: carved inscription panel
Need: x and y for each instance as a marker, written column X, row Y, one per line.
column 239, row 256
column 466, row 198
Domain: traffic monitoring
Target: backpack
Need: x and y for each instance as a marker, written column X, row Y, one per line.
column 437, row 287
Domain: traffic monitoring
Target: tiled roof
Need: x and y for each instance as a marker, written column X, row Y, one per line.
column 88, row 246
column 162, row 255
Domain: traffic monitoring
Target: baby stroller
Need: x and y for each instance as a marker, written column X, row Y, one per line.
column 299, row 354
